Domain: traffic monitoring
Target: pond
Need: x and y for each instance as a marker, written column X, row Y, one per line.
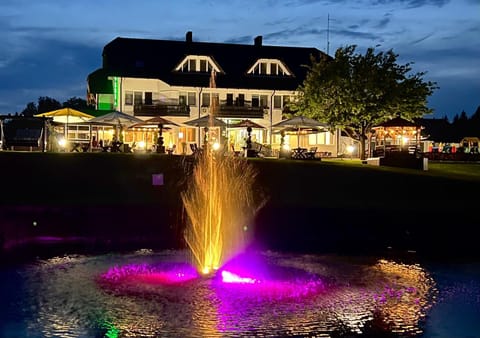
column 152, row 293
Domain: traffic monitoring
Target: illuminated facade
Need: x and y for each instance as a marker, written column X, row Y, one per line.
column 168, row 78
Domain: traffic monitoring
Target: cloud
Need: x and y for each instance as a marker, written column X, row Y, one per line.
column 383, row 23
column 422, row 39
column 412, row 3
column 52, row 68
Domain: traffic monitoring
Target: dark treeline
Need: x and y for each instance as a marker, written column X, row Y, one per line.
column 444, row 130
column 46, row 104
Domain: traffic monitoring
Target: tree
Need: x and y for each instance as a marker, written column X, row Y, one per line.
column 30, row 109
column 46, row 104
column 356, row 92
column 76, row 103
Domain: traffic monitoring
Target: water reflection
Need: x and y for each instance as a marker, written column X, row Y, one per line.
column 304, row 295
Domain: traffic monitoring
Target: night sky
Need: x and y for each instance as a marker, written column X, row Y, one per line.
column 49, row 47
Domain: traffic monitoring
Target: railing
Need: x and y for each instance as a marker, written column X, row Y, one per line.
column 161, row 110
column 242, row 112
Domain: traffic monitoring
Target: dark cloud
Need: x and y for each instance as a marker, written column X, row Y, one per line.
column 384, row 21
column 51, row 68
column 354, row 35
column 245, row 39
column 423, row 38
column 407, row 3
column 412, row 3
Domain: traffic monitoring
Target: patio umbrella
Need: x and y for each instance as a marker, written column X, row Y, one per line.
column 152, row 124
column 204, row 121
column 116, row 118
column 301, row 123
column 246, row 123
column 154, row 121
column 66, row 116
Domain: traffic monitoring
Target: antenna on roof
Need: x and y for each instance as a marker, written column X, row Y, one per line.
column 328, row 33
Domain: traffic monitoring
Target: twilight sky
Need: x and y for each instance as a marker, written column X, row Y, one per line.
column 48, row 47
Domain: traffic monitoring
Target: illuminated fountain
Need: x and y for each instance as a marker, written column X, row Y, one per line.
column 219, row 203
column 220, row 208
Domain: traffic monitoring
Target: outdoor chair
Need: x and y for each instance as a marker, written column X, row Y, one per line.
column 171, row 150
column 311, row 153
column 195, row 149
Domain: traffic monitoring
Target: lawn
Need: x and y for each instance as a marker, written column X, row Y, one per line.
column 324, row 204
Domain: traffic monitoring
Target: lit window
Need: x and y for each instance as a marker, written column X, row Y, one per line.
column 206, row 99
column 277, row 102
column 198, row 63
column 187, row 99
column 203, row 66
column 263, row 101
column 192, row 65
column 137, row 98
column 128, row 98
column 263, row 68
column 260, row 101
column 255, row 101
column 182, row 99
column 229, row 99
column 273, row 67
column 192, row 99
column 240, row 101
column 148, row 98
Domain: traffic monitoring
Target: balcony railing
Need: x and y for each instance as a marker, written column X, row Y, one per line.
column 236, row 111
column 161, row 110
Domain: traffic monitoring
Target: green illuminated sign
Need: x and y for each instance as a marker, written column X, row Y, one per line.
column 116, row 92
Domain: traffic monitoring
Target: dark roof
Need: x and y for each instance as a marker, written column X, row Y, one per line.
column 98, row 82
column 146, row 58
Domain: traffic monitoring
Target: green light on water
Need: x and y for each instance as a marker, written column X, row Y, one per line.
column 112, row 332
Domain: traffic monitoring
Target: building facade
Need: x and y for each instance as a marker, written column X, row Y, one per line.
column 173, row 79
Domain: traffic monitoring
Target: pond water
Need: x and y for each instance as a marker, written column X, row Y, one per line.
column 148, row 293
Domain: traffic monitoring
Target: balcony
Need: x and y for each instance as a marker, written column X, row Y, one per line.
column 242, row 111
column 161, row 110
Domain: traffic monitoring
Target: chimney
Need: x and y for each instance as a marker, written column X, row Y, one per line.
column 258, row 41
column 188, row 36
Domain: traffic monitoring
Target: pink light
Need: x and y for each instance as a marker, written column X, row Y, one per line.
column 228, row 277
column 148, row 274
column 162, row 278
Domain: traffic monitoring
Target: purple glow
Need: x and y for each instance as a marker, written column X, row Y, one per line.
column 269, row 289
column 250, row 275
column 228, row 277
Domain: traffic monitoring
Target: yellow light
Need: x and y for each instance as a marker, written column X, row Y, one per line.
column 405, row 140
column 286, row 147
column 141, row 144
column 62, row 142
column 350, row 149
column 180, row 135
column 216, row 146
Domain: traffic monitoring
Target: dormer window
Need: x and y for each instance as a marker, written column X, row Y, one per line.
column 198, row 63
column 273, row 67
